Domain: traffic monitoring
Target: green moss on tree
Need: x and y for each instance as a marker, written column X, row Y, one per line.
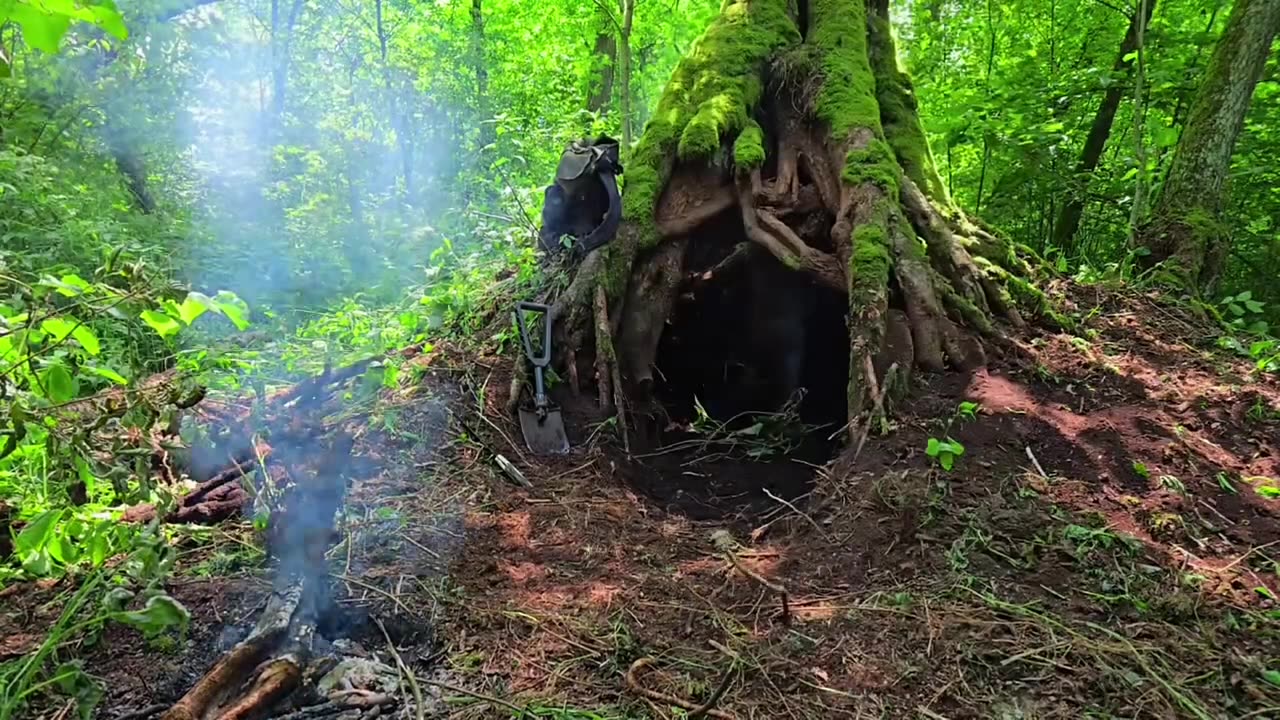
column 708, row 98
column 874, row 163
column 869, row 263
column 973, row 316
column 847, row 101
column 900, row 118
column 748, row 149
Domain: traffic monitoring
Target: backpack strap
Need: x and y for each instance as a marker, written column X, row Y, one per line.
column 605, row 231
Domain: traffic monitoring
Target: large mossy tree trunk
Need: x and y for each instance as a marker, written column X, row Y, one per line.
column 1185, row 226
column 784, row 110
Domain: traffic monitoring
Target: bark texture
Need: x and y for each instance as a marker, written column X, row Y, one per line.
column 1185, row 226
column 797, row 118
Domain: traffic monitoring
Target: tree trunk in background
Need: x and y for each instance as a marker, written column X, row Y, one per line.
column 624, row 57
column 281, row 40
column 487, row 131
column 1185, row 224
column 605, row 54
column 1099, row 132
column 399, row 119
column 792, row 129
column 128, row 159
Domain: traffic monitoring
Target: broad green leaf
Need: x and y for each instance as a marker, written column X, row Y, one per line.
column 947, row 460
column 38, row 532
column 107, row 17
column 933, row 448
column 72, row 280
column 63, row 287
column 1272, row 676
column 1253, row 306
column 160, row 613
column 98, row 548
column 105, row 372
column 41, row 30
column 59, row 328
column 87, row 340
column 62, row 550
column 236, row 310
column 1245, row 296
column 161, row 323
column 59, row 383
column 195, row 305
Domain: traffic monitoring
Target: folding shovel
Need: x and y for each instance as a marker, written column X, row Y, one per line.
column 542, row 425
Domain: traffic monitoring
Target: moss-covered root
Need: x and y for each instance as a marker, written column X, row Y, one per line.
column 974, row 294
column 899, row 114
column 869, row 269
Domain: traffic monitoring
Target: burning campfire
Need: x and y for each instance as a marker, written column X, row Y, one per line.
column 289, row 462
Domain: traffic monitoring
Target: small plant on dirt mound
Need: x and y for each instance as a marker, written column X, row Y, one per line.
column 947, row 450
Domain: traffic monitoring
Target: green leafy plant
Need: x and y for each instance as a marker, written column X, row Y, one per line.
column 968, row 410
column 102, row 596
column 945, row 451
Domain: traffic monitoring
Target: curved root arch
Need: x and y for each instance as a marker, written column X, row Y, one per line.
column 812, row 134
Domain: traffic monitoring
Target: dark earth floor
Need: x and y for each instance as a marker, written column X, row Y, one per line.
column 1106, row 547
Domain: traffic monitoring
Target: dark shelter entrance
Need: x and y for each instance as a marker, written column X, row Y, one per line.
column 751, row 382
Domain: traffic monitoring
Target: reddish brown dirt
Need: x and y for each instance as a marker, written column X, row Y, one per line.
column 1094, row 589
column 988, row 591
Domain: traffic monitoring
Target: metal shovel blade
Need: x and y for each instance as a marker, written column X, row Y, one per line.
column 544, row 435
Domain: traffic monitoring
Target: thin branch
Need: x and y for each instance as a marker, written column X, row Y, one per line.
column 609, row 13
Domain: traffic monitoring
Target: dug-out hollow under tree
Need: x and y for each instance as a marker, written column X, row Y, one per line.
column 789, row 130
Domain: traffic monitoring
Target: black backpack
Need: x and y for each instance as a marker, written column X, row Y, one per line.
column 583, row 202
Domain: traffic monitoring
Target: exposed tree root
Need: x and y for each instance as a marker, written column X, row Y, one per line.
column 609, row 376
column 694, row 711
column 764, row 228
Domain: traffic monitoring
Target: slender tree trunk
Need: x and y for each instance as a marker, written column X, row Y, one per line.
column 604, row 56
column 624, row 56
column 129, row 161
column 1185, row 225
column 281, row 42
column 399, row 120
column 1099, row 132
column 487, row 131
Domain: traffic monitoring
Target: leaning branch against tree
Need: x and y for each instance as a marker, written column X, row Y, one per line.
column 812, row 133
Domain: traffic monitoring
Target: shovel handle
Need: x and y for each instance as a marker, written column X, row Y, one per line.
column 543, row 360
